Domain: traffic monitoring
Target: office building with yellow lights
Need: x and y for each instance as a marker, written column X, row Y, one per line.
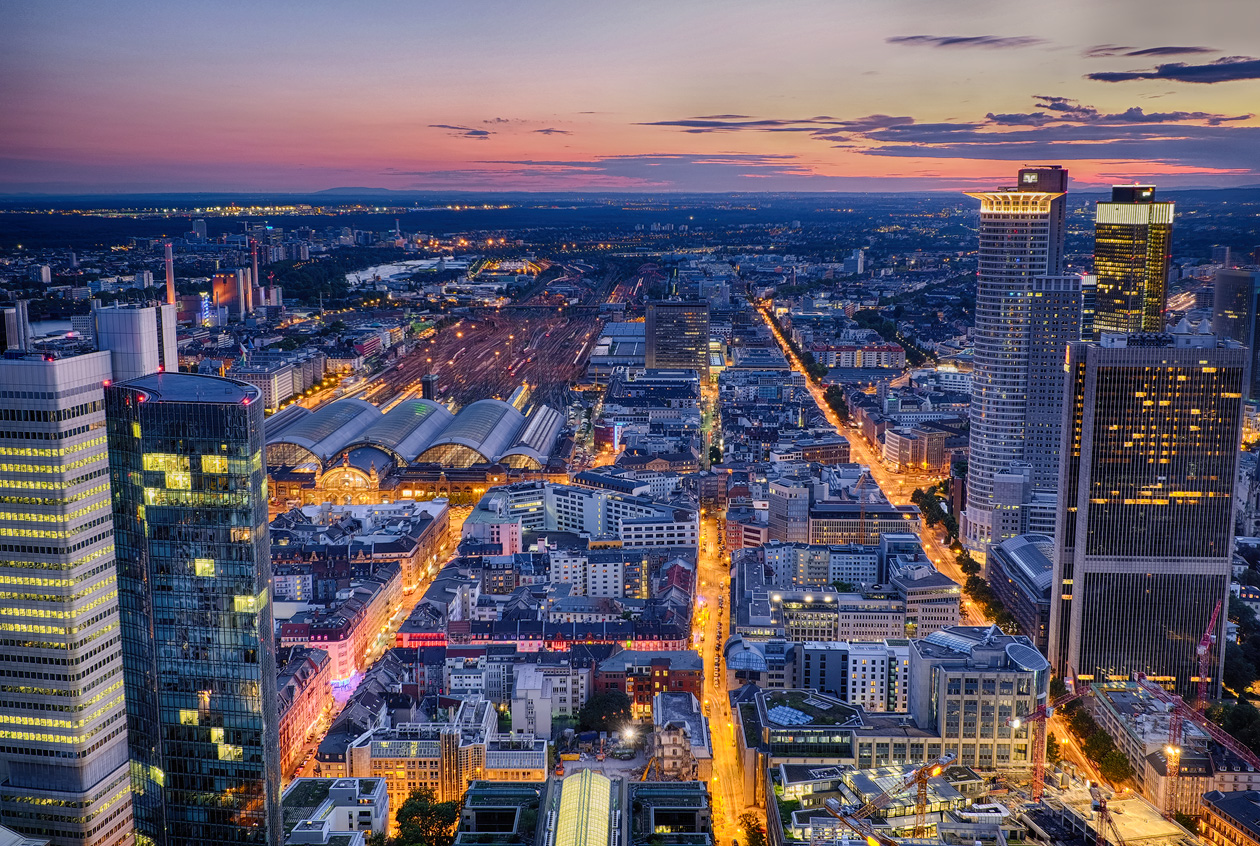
column 1145, row 530
column 1132, row 240
column 194, row 569
column 63, row 723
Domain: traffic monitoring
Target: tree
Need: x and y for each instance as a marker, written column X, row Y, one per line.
column 1098, row 744
column 968, row 565
column 424, row 821
column 754, row 831
column 1115, row 767
column 715, row 454
column 1058, row 688
column 607, row 711
column 1239, row 672
column 1053, row 753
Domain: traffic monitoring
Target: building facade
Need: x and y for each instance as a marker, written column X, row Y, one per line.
column 1132, row 243
column 63, row 764
column 1152, row 426
column 677, row 335
column 1025, row 311
column 186, row 467
column 1236, row 313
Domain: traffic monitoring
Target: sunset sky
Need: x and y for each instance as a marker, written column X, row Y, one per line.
column 840, row 95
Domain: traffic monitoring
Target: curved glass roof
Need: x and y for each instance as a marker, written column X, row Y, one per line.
column 741, row 656
column 536, row 438
column 487, row 426
column 408, row 428
column 326, row 431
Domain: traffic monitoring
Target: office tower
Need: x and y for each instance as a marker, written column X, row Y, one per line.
column 199, row 228
column 677, row 335
column 170, row 274
column 1145, row 532
column 193, row 569
column 1235, row 312
column 254, row 280
column 63, row 762
column 1221, row 255
column 17, row 327
column 139, row 339
column 1089, row 306
column 1132, row 238
column 1026, row 312
column 229, row 288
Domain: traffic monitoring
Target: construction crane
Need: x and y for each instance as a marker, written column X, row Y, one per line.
column 1105, row 820
column 1204, row 653
column 1038, row 719
column 859, row 819
column 1178, row 713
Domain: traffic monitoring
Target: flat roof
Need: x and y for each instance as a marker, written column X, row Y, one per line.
column 193, row 387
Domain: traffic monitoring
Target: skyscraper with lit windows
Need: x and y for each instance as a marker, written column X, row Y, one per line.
column 1132, row 239
column 677, row 335
column 63, row 727
column 1027, row 311
column 186, row 467
column 1145, row 530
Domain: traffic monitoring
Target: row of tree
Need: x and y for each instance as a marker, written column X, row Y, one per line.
column 835, row 399
column 1097, row 745
column 929, row 503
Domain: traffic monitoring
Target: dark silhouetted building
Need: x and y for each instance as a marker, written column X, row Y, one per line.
column 194, row 569
column 1145, row 528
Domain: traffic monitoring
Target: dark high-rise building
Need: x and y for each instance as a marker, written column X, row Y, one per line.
column 186, row 468
column 1235, row 312
column 678, row 336
column 1132, row 238
column 1145, row 530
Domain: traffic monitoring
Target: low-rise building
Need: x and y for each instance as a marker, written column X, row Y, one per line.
column 446, row 756
column 350, row 629
column 681, row 744
column 304, row 690
column 1231, row 819
column 642, row 675
column 499, row 813
column 316, row 809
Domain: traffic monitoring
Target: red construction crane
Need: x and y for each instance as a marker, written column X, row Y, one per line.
column 1105, row 820
column 1038, row 719
column 1178, row 713
column 1204, row 653
column 858, row 820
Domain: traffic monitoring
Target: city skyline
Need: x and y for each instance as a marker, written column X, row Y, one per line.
column 555, row 96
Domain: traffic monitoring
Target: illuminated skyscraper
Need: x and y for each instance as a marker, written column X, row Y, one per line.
column 63, row 759
column 194, row 567
column 677, row 335
column 1236, row 314
column 1026, row 314
column 1145, row 530
column 1132, row 238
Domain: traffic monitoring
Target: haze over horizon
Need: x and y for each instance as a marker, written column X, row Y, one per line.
column 558, row 96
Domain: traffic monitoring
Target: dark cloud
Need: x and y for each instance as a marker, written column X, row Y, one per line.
column 820, row 125
column 497, row 120
column 987, row 42
column 1227, row 69
column 1064, row 110
column 551, row 131
column 1170, row 51
column 463, row 131
column 1225, row 147
column 1104, row 51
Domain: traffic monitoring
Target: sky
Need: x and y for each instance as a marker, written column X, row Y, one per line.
column 131, row 96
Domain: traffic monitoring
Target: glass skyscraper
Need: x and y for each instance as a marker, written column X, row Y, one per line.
column 1236, row 314
column 63, row 726
column 677, row 335
column 190, row 506
column 1145, row 533
column 1132, row 239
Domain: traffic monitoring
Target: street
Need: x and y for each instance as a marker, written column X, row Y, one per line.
column 896, row 487
column 726, row 788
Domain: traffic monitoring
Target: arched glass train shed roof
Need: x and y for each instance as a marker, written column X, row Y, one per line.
column 416, row 430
